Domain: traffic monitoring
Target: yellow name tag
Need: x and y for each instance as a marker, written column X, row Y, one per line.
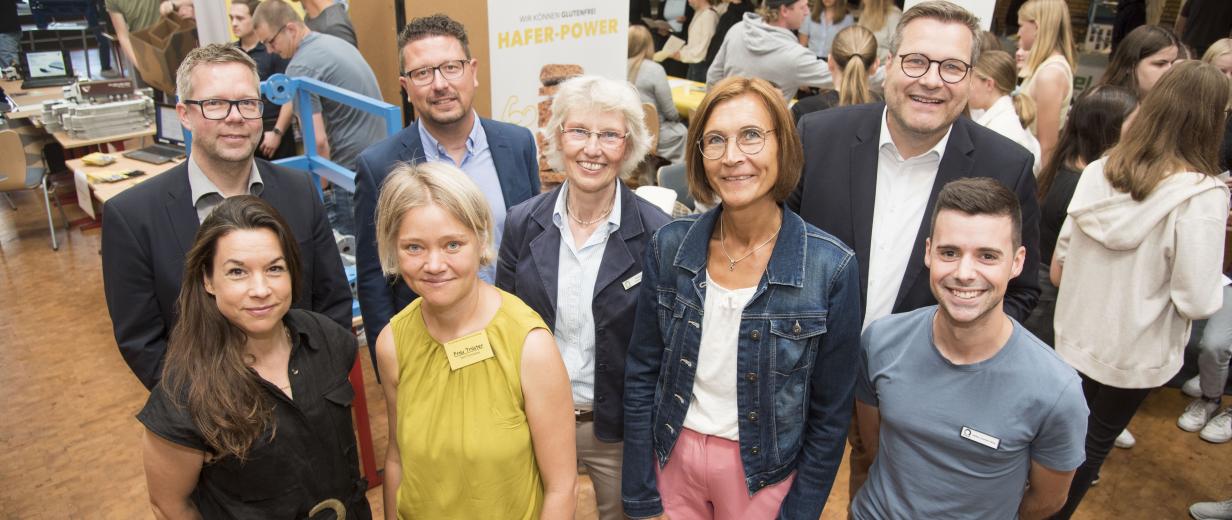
column 468, row 350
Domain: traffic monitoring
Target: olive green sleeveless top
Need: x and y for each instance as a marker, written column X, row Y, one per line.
column 462, row 434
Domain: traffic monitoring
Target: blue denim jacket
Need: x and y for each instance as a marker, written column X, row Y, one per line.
column 798, row 347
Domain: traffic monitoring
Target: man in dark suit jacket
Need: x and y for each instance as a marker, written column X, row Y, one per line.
column 872, row 172
column 148, row 229
column 439, row 79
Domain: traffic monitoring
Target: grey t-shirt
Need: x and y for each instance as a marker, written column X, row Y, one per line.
column 957, row 441
column 338, row 63
column 334, row 21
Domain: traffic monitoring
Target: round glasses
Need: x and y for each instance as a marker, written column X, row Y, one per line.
column 750, row 140
column 916, row 65
column 450, row 70
column 221, row 108
column 607, row 138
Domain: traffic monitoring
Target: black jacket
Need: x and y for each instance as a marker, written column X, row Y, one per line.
column 147, row 232
column 839, row 183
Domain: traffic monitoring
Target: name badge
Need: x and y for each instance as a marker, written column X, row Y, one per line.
column 468, row 350
column 632, row 281
column 980, row 438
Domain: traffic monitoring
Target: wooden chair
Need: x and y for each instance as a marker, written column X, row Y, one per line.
column 644, row 173
column 16, row 175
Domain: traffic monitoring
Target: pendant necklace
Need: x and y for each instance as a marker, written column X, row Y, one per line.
column 731, row 264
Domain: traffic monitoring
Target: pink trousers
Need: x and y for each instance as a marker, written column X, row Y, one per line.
column 704, row 480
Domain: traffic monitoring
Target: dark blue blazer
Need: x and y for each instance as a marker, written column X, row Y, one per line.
column 147, row 232
column 839, row 184
column 380, row 297
column 529, row 263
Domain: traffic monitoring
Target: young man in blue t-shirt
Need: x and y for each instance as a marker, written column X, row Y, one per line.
column 970, row 415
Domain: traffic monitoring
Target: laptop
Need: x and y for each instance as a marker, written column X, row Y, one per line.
column 47, row 69
column 168, row 139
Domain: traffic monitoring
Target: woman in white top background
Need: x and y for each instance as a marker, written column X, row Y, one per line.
column 995, row 106
column 827, row 19
column 1044, row 31
column 701, row 30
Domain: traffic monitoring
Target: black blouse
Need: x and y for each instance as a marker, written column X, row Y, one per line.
column 1054, row 209
column 312, row 454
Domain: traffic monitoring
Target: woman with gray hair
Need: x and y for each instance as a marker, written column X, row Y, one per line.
column 584, row 242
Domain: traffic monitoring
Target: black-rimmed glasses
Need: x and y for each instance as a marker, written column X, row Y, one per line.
column 750, row 140
column 270, row 42
column 450, row 70
column 915, row 65
column 217, row 109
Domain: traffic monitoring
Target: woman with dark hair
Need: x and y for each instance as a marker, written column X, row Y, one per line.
column 741, row 367
column 252, row 418
column 1141, row 58
column 1095, row 124
column 1138, row 258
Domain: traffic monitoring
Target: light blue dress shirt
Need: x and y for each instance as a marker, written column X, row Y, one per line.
column 478, row 165
column 575, row 290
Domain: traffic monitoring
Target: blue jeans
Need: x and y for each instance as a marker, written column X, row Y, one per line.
column 9, row 48
column 340, row 209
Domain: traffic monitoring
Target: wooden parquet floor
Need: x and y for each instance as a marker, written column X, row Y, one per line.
column 69, row 441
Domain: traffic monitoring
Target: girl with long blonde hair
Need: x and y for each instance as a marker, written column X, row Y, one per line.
column 1044, row 32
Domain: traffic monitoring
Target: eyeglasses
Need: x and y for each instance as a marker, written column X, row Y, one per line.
column 217, row 109
column 916, row 65
column 750, row 140
column 607, row 138
column 270, row 42
column 450, row 70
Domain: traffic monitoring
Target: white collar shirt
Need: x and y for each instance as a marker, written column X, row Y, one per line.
column 903, row 188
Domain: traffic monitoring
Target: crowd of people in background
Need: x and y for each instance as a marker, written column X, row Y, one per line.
column 935, row 253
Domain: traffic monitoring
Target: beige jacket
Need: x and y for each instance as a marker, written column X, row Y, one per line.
column 1136, row 274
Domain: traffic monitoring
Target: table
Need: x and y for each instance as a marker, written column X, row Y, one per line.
column 686, row 94
column 29, row 103
column 89, row 190
column 69, row 142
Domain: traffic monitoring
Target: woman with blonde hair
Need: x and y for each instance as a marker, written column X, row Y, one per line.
column 881, row 17
column 852, row 61
column 1044, row 31
column 823, row 24
column 651, row 82
column 1219, row 54
column 1138, row 258
column 481, row 422
column 995, row 106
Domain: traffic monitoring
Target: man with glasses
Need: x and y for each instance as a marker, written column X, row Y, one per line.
column 150, row 227
column 341, row 131
column 870, row 171
column 439, row 77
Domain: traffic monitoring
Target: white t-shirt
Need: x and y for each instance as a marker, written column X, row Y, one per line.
column 713, row 410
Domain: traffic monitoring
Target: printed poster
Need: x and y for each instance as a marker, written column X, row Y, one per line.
column 537, row 44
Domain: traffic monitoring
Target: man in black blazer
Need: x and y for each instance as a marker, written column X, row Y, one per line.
column 148, row 229
column 499, row 157
column 872, row 172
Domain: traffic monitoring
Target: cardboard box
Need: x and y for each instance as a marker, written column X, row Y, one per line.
column 160, row 48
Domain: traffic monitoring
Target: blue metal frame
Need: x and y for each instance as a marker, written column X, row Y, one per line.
column 281, row 89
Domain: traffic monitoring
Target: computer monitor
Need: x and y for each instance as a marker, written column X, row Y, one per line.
column 168, row 126
column 47, row 64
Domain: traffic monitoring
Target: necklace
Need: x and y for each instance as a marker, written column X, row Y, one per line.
column 731, row 264
column 586, row 222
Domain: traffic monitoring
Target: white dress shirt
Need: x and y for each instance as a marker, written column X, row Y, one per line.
column 575, row 289
column 903, row 187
